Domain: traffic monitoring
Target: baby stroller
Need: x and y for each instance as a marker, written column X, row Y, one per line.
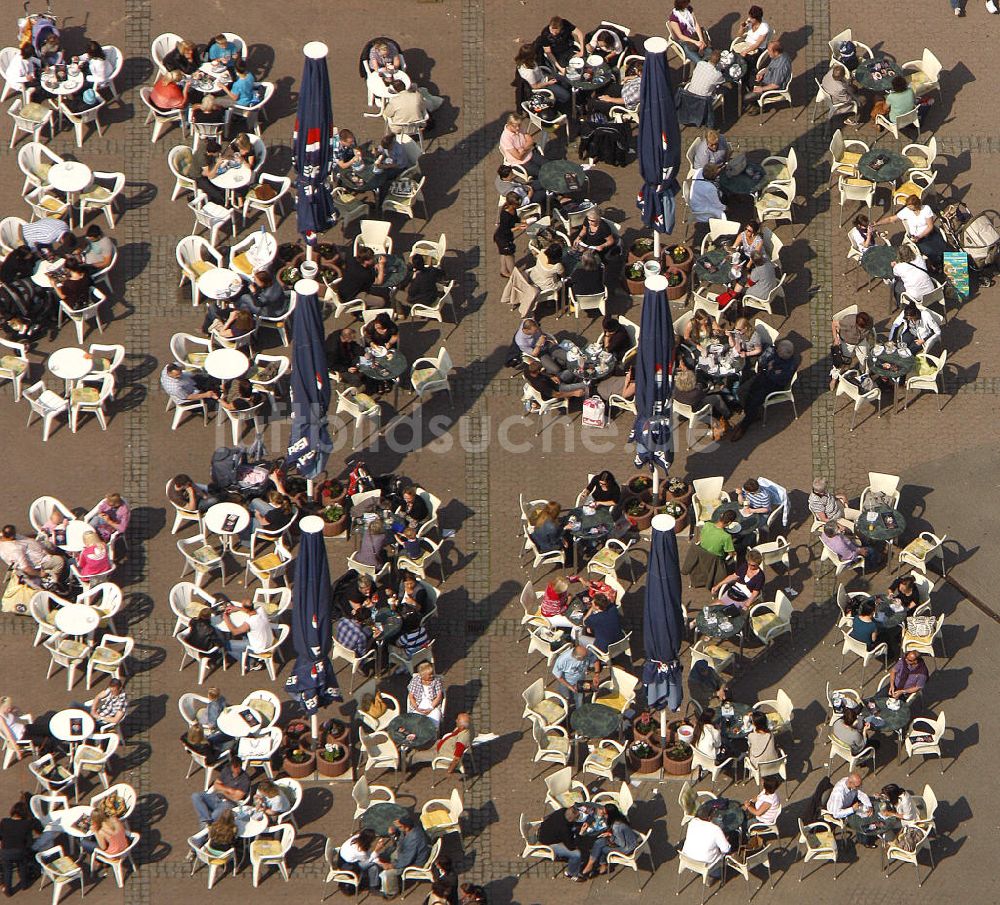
column 978, row 237
column 37, row 28
column 25, row 311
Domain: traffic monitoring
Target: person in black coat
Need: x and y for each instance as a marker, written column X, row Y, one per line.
column 588, row 277
column 414, row 508
column 343, row 352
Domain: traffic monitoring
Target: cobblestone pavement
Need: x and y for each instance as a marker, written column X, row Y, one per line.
column 479, row 453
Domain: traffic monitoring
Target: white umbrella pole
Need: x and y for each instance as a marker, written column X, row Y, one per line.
column 314, row 725
column 656, row 244
column 663, row 726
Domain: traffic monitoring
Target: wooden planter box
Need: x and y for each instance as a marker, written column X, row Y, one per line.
column 645, row 764
column 680, row 291
column 669, row 262
column 643, row 520
column 334, row 768
column 676, row 767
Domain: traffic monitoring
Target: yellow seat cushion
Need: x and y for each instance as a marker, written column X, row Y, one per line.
column 267, row 562
column 557, row 742
column 616, row 701
column 603, row 756
column 193, row 607
column 85, row 394
column 850, row 158
column 918, row 160
column 570, row 798
column 763, row 623
column 205, row 554
column 776, row 171
column 105, row 657
column 242, row 263
column 183, row 161
column 97, row 193
column 857, row 180
column 201, row 267
column 13, row 363
column 70, row 648
column 606, row 558
column 549, row 711
column 821, row 839
column 36, row 113
column 267, row 848
column 716, row 652
column 41, row 170
column 365, row 402
column 917, row 79
column 908, row 188
column 709, row 506
column 264, row 709
column 196, row 359
column 919, row 547
column 422, row 375
column 436, row 817
column 52, row 204
column 925, row 368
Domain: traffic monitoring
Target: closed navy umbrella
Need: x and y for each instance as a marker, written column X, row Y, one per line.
column 312, row 146
column 313, row 682
column 652, row 432
column 659, row 143
column 663, row 619
column 309, row 445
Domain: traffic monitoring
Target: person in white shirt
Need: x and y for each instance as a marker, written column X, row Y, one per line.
column 707, row 739
column 754, row 33
column 705, row 841
column 846, row 796
column 766, row 807
column 917, row 327
column 358, row 852
column 253, row 631
column 706, row 78
column 705, row 202
column 898, row 803
column 22, row 71
column 911, row 268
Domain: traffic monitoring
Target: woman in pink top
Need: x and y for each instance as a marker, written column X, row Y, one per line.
column 167, row 93
column 518, row 147
column 110, row 835
column 93, row 559
column 112, row 515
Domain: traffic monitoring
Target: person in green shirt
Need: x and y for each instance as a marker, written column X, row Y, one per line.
column 901, row 99
column 715, row 539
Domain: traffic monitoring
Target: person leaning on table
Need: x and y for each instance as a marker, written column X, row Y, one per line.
column 412, row 850
column 706, row 842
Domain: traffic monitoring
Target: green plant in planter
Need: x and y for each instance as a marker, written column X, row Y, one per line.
column 675, row 278
column 333, row 753
column 642, row 246
column 640, row 484
column 677, row 486
column 326, row 249
column 678, row 751
column 674, row 509
column 299, row 756
column 635, row 507
column 679, row 254
column 332, row 514
column 635, row 271
column 644, row 723
column 641, row 750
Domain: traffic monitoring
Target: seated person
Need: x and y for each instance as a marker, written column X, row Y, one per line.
column 239, row 396
column 508, row 181
column 751, row 38
column 349, row 153
column 773, row 77
column 167, row 93
column 362, row 273
column 406, row 106
column 685, row 30
column 547, row 274
column 241, row 150
column 550, row 386
column 916, row 328
column 244, row 91
column 518, row 147
column 413, row 593
column 713, row 148
column 531, row 340
column 382, row 332
column 620, row 385
column 96, row 63
column 74, row 290
column 201, row 634
column 554, row 603
column 603, row 490
column 776, row 374
column 538, row 78
column 706, row 80
column 53, row 532
column 408, row 543
column 602, row 626
column 371, row 551
column 901, row 99
column 183, row 58
column 615, row 339
column 743, row 586
column 94, row 558
column 854, row 733
column 745, row 341
column 253, row 632
column 264, row 297
column 908, row 676
column 588, row 277
column 845, row 547
column 270, row 799
column 910, row 275
column 275, row 513
column 559, row 832
column 98, row 251
column 18, row 265
column 705, row 841
column 862, row 234
column 837, row 84
column 548, row 528
column 414, row 509
column 607, row 43
column 705, row 562
column 766, row 807
column 390, row 156
column 751, row 496
column 221, row 48
column 422, row 282
column 385, row 54
column 195, row 741
column 558, row 42
column 854, row 332
column 628, row 93
column 700, row 330
column 343, row 352
column 112, row 516
column 22, row 71
column 705, row 202
column 595, row 234
column 454, row 745
column 904, row 590
column 761, row 279
column 205, row 162
column 208, row 111
column 749, row 241
column 185, row 493
column 232, row 324
column 689, row 392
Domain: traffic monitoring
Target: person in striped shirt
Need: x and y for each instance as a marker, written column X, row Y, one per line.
column 46, row 232
column 754, row 497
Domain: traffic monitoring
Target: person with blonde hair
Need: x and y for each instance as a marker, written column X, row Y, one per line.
column 425, row 693
column 712, row 148
column 222, row 832
column 547, row 528
column 112, row 516
column 109, row 834
column 518, row 147
column 169, row 91
column 184, row 58
column 95, row 557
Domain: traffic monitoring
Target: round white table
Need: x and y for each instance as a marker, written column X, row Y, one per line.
column 43, row 268
column 70, row 364
column 77, row 619
column 60, row 726
column 71, row 177
column 380, row 90
column 232, row 723
column 215, row 520
column 232, row 179
column 220, row 283
column 226, row 364
column 248, row 823
column 65, row 88
column 216, row 74
column 64, row 820
column 75, row 529
column 218, row 623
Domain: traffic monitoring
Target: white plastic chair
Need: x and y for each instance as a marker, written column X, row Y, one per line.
column 269, row 654
column 201, row 558
column 102, row 197
column 858, row 648
column 379, row 751
column 35, row 160
column 817, row 842
column 60, row 870
column 14, row 364
column 364, row 795
column 909, row 118
column 281, row 185
column 216, row 861
column 430, row 375
column 91, row 115
column 348, row 403
column 434, row 311
column 398, row 201
column 211, row 216
column 183, row 182
column 205, row 659
column 929, row 382
column 374, row 235
column 161, row 46
column 30, row 118
column 924, row 737
column 86, row 397
column 918, row 551
column 109, row 656
column 161, row 119
column 441, row 816
column 196, row 255
column 772, row 619
column 253, row 112
column 923, row 74
column 45, row 404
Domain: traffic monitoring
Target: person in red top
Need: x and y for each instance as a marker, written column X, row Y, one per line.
column 453, row 745
column 555, row 602
column 167, row 93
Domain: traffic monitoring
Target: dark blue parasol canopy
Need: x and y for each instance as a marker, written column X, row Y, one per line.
column 662, row 618
column 312, row 145
column 313, row 682
column 309, row 445
column 659, row 141
column 653, row 433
